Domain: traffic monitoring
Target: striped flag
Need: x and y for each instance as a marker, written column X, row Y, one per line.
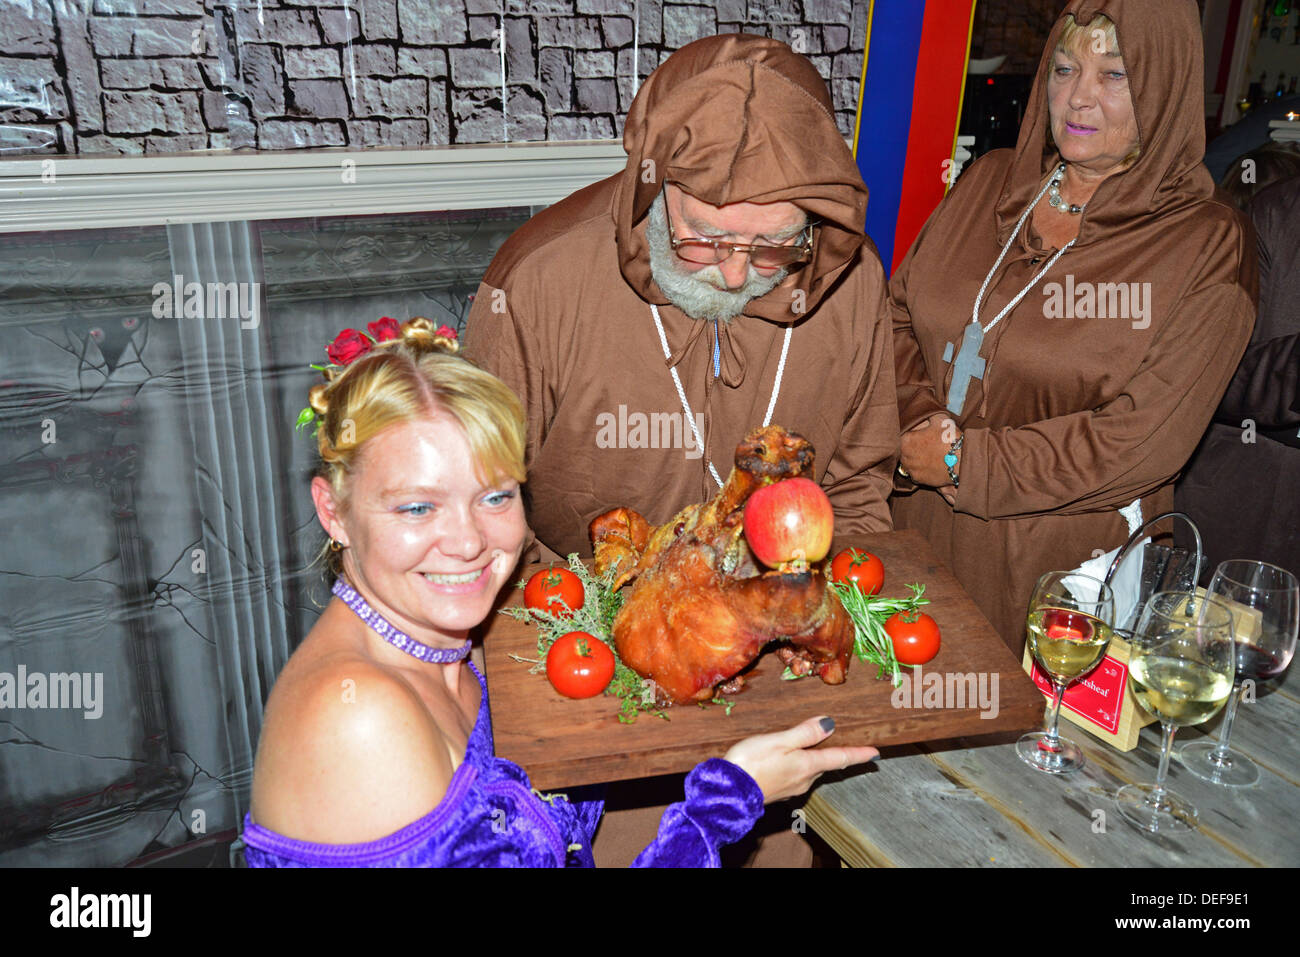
column 913, row 79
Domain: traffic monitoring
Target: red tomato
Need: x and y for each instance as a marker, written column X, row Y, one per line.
column 547, row 588
column 579, row 665
column 915, row 636
column 862, row 568
column 788, row 520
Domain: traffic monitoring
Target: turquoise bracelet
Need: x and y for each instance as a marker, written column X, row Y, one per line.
column 951, row 460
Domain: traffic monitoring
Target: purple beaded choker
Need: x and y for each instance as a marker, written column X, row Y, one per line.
column 398, row 639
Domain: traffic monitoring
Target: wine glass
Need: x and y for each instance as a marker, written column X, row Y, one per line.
column 1069, row 624
column 1267, row 615
column 1180, row 669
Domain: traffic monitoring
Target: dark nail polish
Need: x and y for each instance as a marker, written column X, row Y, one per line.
column 828, row 724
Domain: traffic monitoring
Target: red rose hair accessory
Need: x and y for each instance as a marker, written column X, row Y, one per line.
column 348, row 346
column 385, row 329
column 351, row 344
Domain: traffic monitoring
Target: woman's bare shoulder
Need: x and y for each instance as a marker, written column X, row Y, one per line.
column 348, row 753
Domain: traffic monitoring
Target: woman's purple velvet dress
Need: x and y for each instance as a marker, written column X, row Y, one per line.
column 492, row 817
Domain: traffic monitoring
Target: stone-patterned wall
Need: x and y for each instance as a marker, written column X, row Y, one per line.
column 166, row 76
column 1018, row 28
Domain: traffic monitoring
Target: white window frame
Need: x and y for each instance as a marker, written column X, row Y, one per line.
column 71, row 192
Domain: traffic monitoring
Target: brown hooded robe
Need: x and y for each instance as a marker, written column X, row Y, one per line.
column 1243, row 485
column 563, row 314
column 1077, row 415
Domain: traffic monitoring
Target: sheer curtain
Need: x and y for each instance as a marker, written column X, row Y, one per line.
column 236, row 473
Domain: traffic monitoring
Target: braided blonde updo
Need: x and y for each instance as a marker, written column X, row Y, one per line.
column 408, row 378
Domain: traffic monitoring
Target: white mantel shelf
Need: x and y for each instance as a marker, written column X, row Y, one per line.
column 105, row 192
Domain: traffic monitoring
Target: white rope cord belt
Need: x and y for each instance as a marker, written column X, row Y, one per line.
column 681, row 393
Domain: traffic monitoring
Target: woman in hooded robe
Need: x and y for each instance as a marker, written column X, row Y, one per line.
column 1071, row 313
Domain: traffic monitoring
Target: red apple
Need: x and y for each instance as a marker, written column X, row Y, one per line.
column 791, row 520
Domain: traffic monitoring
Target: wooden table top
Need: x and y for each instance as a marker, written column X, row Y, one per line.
column 969, row 803
column 564, row 743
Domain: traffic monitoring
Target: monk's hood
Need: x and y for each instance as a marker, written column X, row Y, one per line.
column 1160, row 41
column 737, row 118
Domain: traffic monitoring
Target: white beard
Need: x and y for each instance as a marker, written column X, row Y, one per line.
column 701, row 294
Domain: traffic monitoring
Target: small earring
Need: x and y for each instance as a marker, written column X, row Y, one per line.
column 336, row 545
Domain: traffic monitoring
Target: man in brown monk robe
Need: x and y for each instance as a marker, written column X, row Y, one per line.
column 720, row 282
column 731, row 141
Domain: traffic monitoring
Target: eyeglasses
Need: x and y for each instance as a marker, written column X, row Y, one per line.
column 710, row 252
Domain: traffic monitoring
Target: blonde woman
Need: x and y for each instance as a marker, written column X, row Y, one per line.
column 377, row 746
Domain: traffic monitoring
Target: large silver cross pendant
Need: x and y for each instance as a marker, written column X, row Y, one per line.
column 969, row 365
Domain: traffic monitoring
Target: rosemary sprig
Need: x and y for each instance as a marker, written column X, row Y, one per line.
column 600, row 606
column 869, row 613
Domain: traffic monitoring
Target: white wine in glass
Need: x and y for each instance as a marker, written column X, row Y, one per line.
column 1177, row 690
column 1181, row 670
column 1069, row 628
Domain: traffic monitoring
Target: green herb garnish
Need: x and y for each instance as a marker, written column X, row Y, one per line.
column 869, row 614
column 600, row 606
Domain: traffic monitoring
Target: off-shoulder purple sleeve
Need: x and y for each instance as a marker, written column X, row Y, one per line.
column 722, row 803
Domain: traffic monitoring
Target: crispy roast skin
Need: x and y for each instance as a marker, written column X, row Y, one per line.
column 701, row 608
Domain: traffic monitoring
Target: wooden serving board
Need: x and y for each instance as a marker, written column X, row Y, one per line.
column 565, row 743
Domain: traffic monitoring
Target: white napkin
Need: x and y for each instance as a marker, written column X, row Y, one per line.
column 1127, row 583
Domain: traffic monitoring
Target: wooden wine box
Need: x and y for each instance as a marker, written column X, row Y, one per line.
column 1102, row 703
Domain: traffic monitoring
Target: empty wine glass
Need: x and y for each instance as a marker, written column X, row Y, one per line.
column 1265, row 601
column 1180, row 669
column 1069, row 623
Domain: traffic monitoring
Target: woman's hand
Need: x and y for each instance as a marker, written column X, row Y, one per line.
column 781, row 764
column 923, row 449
